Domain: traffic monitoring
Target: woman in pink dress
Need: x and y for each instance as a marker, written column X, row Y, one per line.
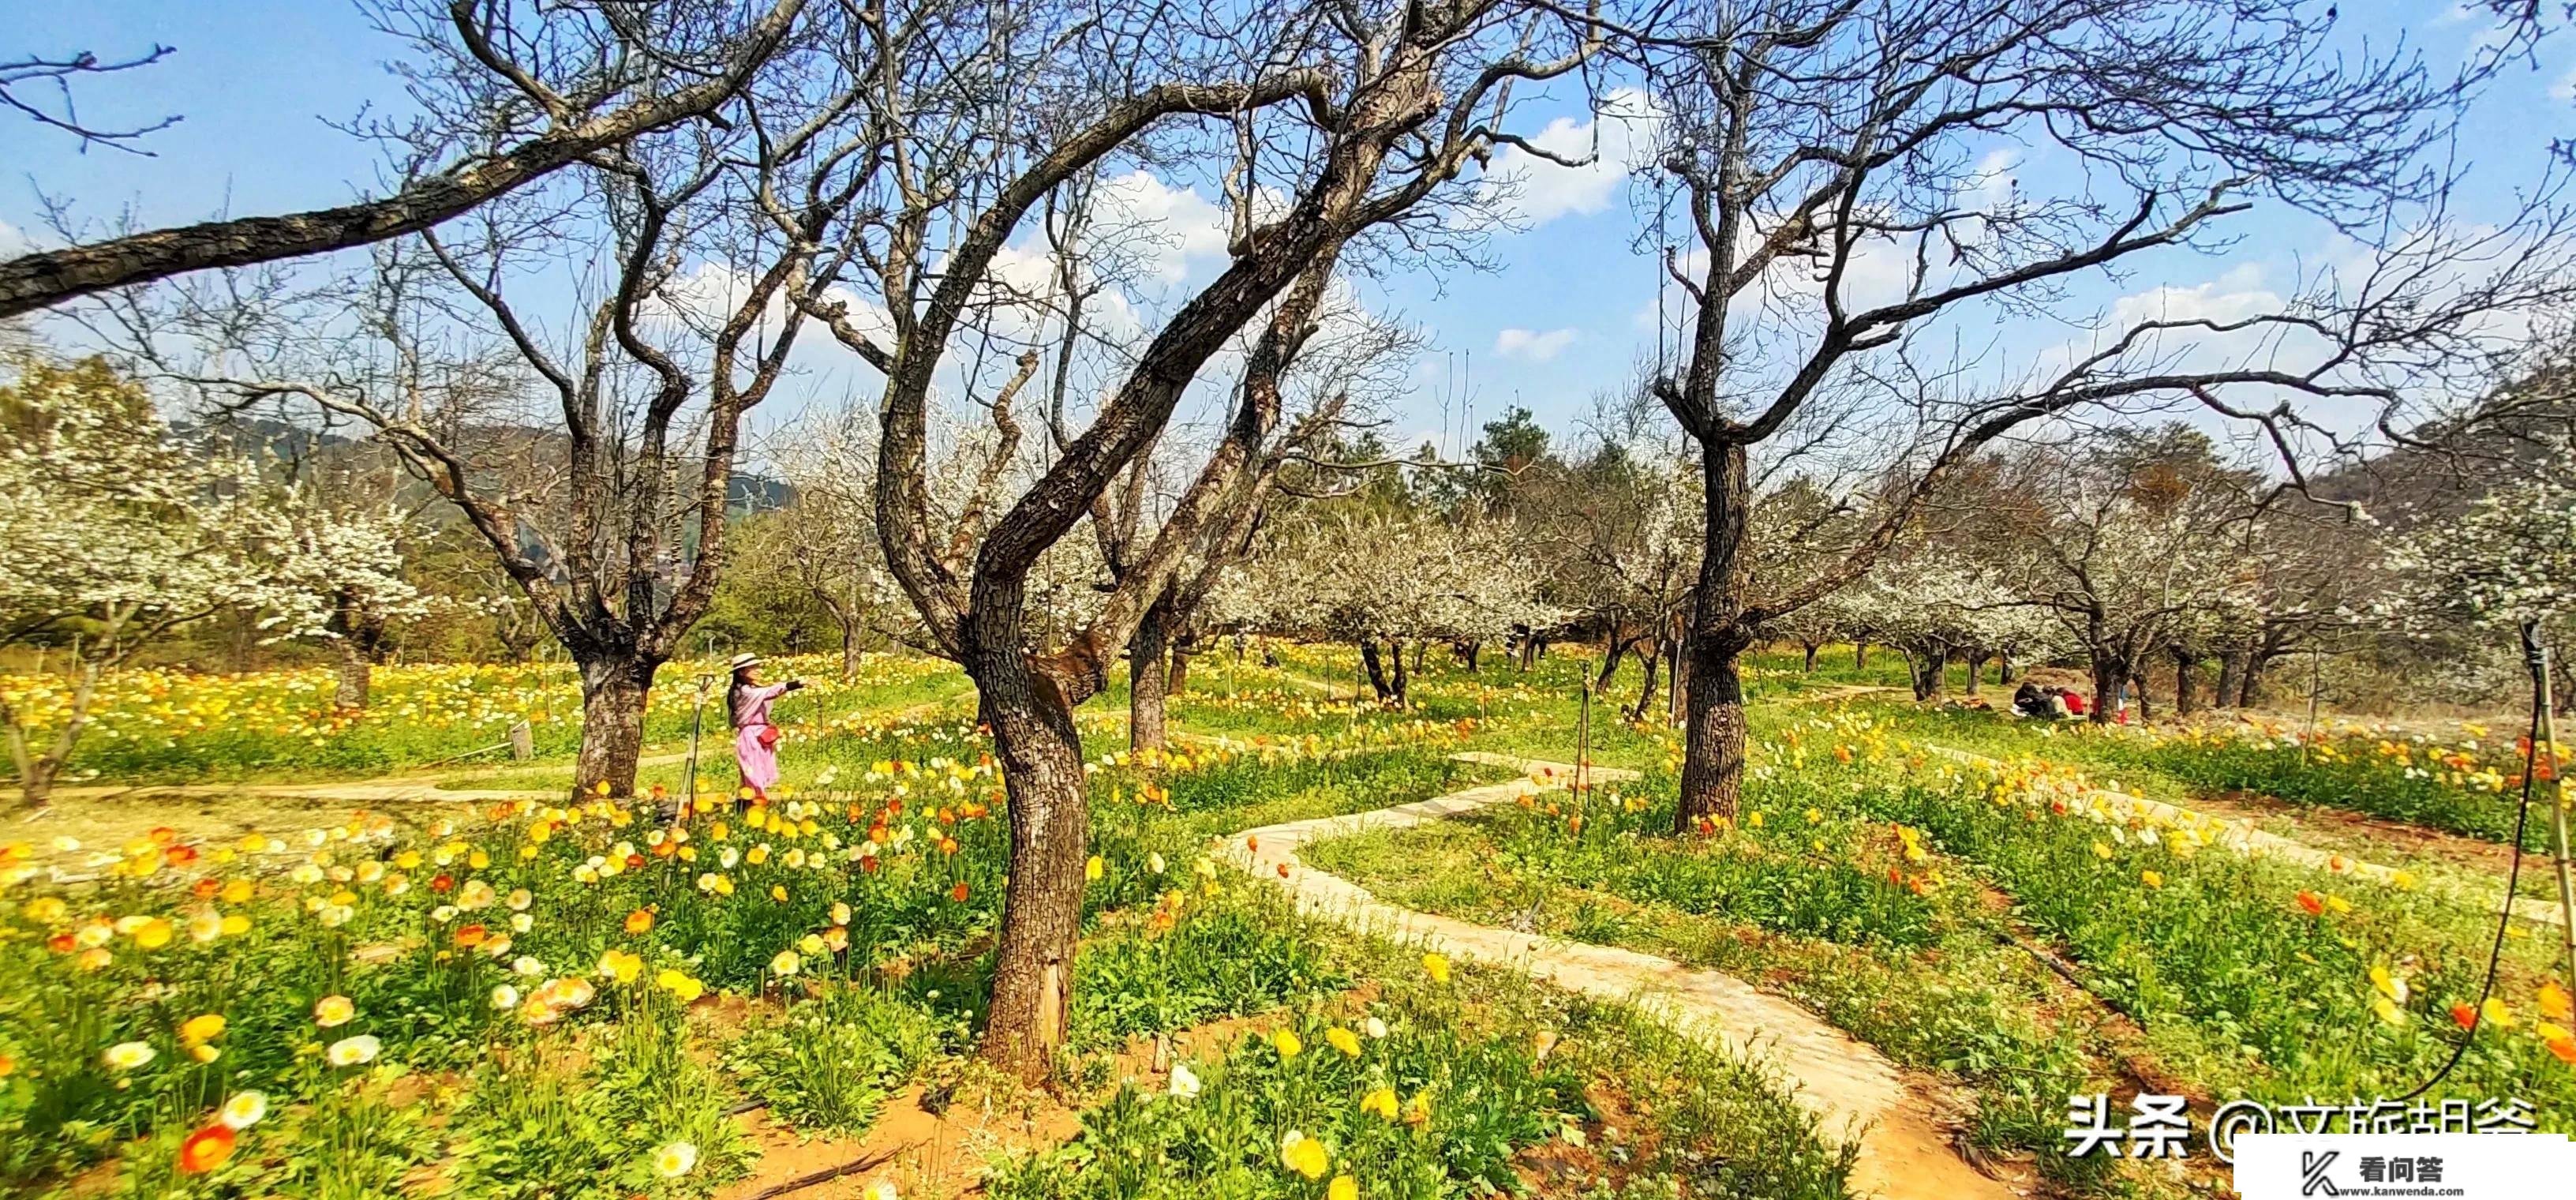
column 755, row 736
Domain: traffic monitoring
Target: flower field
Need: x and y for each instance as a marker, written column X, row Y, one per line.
column 170, row 726
column 567, row 999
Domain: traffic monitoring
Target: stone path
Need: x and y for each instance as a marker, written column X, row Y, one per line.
column 1904, row 1151
column 2242, row 837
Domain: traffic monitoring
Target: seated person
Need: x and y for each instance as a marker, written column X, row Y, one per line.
column 2074, row 703
column 2029, row 701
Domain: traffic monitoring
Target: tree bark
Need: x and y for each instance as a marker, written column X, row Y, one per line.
column 1860, row 656
column 1712, row 780
column 2231, row 667
column 1147, row 677
column 1178, row 679
column 1927, row 670
column 1646, row 691
column 614, row 688
column 1473, row 650
column 355, row 675
column 1811, row 656
column 2249, row 682
column 849, row 650
column 2182, row 682
column 1611, row 650
column 1976, row 670
column 34, row 281
column 1041, row 754
column 1401, row 680
column 2107, row 678
column 1376, row 669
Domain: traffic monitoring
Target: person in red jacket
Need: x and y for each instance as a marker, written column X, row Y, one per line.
column 2074, row 702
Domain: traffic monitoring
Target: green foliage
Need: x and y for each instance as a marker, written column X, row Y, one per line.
column 833, row 1059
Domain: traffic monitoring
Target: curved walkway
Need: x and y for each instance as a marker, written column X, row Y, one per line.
column 2242, row 837
column 1903, row 1150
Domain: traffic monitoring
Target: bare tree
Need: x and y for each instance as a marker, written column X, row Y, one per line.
column 593, row 453
column 1825, row 156
column 1352, row 116
column 529, row 90
column 21, row 79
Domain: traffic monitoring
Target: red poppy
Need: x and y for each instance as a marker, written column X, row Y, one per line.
column 958, row 893
column 206, row 1149
column 2464, row 1016
column 179, row 856
column 205, row 889
column 2315, row 905
column 443, row 884
column 471, row 936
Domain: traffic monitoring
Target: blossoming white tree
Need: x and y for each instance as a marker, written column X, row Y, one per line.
column 1423, row 576
column 118, row 536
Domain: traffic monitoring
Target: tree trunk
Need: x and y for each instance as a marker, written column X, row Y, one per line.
column 614, row 687
column 2107, row 678
column 1147, row 677
column 849, row 650
column 2249, row 684
column 2231, row 667
column 1400, row 678
column 1860, row 656
column 1927, row 670
column 1676, row 672
column 1610, row 660
column 1811, row 656
column 2182, row 682
column 1041, row 754
column 1646, row 692
column 355, row 674
column 1976, row 669
column 1712, row 780
column 1178, row 679
column 1420, row 649
column 1376, row 669
column 1473, row 649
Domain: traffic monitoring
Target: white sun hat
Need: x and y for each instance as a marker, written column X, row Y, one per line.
column 743, row 660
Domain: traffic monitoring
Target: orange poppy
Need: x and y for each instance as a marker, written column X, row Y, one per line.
column 639, row 921
column 2314, row 904
column 206, row 1149
column 958, row 893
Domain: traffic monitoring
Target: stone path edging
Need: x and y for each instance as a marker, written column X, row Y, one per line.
column 2242, row 837
column 1852, row 1089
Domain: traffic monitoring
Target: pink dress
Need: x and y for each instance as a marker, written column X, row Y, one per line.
column 758, row 763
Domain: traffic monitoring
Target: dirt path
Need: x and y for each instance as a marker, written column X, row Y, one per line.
column 2238, row 833
column 1904, row 1148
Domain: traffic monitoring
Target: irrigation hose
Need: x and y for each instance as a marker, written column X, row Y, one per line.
column 2513, row 876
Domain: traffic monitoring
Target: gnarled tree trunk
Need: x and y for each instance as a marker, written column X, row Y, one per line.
column 1376, row 669
column 1147, row 678
column 1041, row 754
column 1712, row 781
column 614, row 688
column 355, row 674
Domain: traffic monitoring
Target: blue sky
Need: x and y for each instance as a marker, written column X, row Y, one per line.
column 1557, row 321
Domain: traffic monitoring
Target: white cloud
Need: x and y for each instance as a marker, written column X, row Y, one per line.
column 1532, row 346
column 13, row 242
column 1166, row 228
column 1620, row 138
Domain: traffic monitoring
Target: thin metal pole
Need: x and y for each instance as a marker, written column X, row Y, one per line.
column 1583, row 742
column 2316, row 686
column 697, row 719
column 2547, row 752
